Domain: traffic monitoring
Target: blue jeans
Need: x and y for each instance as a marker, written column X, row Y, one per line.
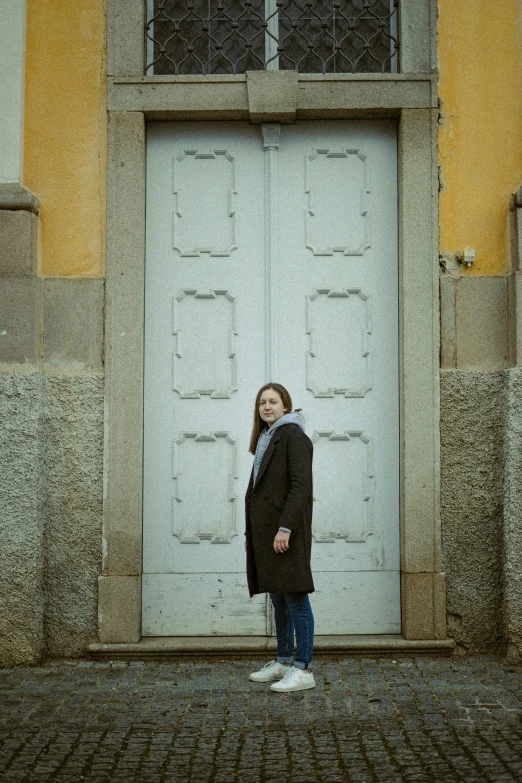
column 294, row 613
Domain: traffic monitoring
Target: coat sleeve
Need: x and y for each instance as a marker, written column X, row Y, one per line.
column 299, row 463
column 247, row 501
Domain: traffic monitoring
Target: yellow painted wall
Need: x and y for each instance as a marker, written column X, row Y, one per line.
column 480, row 138
column 65, row 132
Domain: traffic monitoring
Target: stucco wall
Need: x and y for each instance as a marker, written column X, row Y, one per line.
column 65, row 132
column 480, row 138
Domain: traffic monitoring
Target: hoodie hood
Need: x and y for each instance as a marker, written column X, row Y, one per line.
column 266, row 435
column 289, row 418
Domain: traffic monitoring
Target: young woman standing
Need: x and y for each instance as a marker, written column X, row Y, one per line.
column 278, row 506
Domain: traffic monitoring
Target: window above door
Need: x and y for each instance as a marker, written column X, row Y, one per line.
column 235, row 36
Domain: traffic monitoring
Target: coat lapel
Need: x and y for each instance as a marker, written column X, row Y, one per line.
column 269, row 453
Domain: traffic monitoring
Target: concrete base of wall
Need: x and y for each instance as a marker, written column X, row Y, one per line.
column 472, row 438
column 512, row 556
column 51, row 440
column 73, row 511
column 481, row 508
column 21, row 517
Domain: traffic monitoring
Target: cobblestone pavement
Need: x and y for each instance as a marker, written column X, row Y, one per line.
column 368, row 719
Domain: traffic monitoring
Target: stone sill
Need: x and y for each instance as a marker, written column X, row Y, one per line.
column 301, row 77
column 245, row 646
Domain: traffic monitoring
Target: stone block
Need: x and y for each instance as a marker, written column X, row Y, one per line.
column 73, row 464
column 73, row 323
column 448, row 334
column 418, row 25
column 482, row 323
column 125, row 50
column 423, row 597
column 515, row 224
column 21, row 518
column 183, row 98
column 14, row 197
column 336, row 96
column 272, row 96
column 420, row 342
column 472, row 458
column 119, row 610
column 18, row 240
column 515, row 318
column 124, row 341
column 20, row 320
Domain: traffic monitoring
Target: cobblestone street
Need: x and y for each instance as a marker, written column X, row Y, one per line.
column 409, row 719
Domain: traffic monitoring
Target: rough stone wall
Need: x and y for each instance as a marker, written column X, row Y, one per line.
column 472, row 466
column 21, row 517
column 51, row 488
column 512, row 559
column 73, row 511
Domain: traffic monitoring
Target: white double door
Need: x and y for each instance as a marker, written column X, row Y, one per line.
column 271, row 256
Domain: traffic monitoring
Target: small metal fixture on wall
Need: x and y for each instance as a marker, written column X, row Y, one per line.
column 233, row 36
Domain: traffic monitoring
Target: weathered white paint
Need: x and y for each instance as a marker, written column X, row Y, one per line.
column 338, row 347
column 12, row 64
column 306, row 294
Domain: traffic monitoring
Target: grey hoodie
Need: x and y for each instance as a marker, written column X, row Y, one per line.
column 266, row 435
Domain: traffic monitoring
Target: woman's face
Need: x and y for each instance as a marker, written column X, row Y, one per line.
column 271, row 406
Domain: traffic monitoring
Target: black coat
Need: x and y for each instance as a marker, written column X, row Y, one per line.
column 281, row 496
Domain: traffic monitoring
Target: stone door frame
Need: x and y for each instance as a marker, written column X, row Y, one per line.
column 272, row 96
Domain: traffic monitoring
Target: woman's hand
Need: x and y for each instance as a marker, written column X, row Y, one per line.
column 281, row 541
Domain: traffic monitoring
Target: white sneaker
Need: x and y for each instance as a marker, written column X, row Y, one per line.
column 270, row 671
column 294, row 680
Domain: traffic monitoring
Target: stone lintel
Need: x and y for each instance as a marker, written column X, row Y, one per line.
column 332, row 96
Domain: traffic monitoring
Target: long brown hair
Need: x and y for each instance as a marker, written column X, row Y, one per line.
column 259, row 424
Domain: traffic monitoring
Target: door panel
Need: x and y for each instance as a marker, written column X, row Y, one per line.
column 275, row 259
column 338, row 316
column 204, row 292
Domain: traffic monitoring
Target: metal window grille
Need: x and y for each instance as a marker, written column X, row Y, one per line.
column 233, row 36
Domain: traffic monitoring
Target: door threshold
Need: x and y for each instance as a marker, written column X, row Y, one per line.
column 253, row 646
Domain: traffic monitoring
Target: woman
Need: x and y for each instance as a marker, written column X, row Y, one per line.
column 278, row 507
